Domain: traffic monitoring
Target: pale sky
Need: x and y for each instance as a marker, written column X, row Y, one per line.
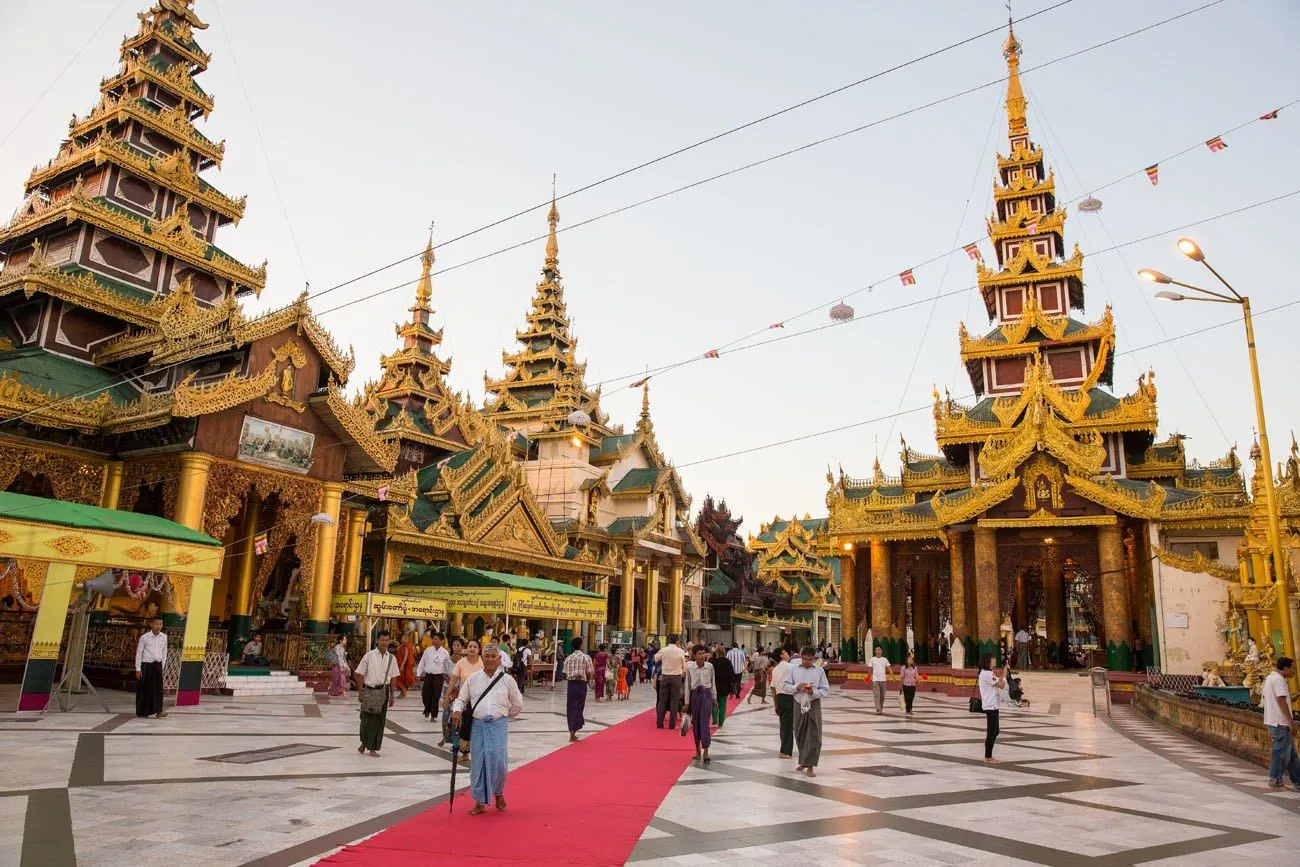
column 378, row 118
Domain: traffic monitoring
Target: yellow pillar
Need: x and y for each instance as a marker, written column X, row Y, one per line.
column 108, row 497
column 676, row 591
column 1117, row 622
column 193, row 486
column 194, row 645
column 957, row 577
column 882, row 606
column 245, row 568
column 627, row 596
column 651, row 599
column 47, row 635
column 356, row 530
column 988, row 607
column 848, row 608
column 327, row 537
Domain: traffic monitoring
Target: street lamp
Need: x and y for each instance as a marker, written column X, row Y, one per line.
column 1193, row 251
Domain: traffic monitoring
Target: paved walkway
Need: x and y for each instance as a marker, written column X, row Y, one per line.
column 277, row 782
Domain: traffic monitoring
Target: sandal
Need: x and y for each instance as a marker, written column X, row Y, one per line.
column 501, row 802
column 478, row 808
column 361, row 749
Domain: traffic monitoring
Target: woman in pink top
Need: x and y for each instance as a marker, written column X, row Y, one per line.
column 909, row 681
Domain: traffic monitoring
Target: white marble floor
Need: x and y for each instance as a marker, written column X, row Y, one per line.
column 107, row 789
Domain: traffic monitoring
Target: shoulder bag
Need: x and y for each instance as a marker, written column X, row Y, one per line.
column 976, row 705
column 467, row 718
column 374, row 699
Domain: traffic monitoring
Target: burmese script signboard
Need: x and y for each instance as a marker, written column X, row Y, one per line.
column 516, row 603
column 388, row 605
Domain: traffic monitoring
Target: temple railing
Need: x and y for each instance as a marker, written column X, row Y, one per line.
column 15, row 637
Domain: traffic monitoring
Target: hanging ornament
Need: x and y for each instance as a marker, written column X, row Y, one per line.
column 1089, row 205
column 579, row 416
column 841, row 312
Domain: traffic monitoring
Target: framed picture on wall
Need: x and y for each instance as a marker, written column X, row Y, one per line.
column 274, row 445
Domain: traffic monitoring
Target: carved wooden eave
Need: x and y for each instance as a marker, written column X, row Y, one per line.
column 173, row 235
column 1020, row 156
column 423, row 544
column 174, row 171
column 1028, row 264
column 400, row 490
column 1105, row 491
column 1197, row 562
column 366, row 451
column 174, row 123
column 151, row 31
column 960, row 507
column 1024, row 186
column 81, row 289
column 177, row 80
column 1032, row 318
column 1020, row 219
column 1208, row 512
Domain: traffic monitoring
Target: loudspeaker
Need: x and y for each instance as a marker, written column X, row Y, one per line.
column 102, row 584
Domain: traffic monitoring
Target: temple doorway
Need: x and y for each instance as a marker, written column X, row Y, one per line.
column 922, row 599
column 1049, row 587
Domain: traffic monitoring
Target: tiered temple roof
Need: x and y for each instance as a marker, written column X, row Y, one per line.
column 543, row 389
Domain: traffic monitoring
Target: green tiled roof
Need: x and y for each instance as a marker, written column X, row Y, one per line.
column 624, row 526
column 21, row 507
column 1100, row 401
column 717, row 581
column 642, row 479
column 864, row 493
column 420, row 575
column 427, row 477
column 812, row 525
column 126, row 290
column 64, row 376
column 611, row 445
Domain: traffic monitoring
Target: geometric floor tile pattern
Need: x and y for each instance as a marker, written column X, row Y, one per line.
column 99, row 789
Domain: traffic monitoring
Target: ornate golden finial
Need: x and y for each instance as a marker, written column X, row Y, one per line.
column 644, row 422
column 424, row 289
column 552, row 264
column 1016, row 125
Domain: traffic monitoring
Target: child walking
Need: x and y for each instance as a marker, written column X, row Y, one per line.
column 622, row 679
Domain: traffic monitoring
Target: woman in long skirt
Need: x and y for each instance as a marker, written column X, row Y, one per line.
column 339, row 667
column 702, row 690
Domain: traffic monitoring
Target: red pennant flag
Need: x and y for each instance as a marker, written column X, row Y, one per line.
column 383, row 493
column 1216, row 144
column 712, row 353
column 777, row 325
column 973, row 250
column 1153, row 174
column 1272, row 115
column 907, row 278
column 260, row 544
column 639, row 383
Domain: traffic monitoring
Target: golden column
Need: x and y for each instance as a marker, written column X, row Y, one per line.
column 848, row 606
column 1117, row 623
column 988, row 607
column 352, row 543
column 921, row 625
column 108, row 497
column 627, row 595
column 192, row 487
column 957, row 577
column 676, row 592
column 322, row 579
column 882, row 607
column 651, row 599
column 245, row 568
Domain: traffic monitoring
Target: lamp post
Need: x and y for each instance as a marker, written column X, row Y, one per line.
column 1193, row 251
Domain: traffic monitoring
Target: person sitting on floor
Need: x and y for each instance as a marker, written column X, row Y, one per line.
column 253, row 651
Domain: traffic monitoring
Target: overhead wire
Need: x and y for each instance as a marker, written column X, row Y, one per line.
column 772, row 158
column 701, row 142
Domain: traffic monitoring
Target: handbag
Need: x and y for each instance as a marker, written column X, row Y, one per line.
column 686, row 725
column 467, row 719
column 374, row 699
column 976, row 706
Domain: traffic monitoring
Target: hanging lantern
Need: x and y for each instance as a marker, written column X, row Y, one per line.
column 841, row 312
column 578, row 417
column 1089, row 205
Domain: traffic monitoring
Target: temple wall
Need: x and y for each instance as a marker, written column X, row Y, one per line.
column 1199, row 597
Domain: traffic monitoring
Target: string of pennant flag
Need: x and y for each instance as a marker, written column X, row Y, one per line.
column 908, row 278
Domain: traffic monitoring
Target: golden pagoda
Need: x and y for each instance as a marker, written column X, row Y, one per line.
column 1040, row 509
column 130, row 377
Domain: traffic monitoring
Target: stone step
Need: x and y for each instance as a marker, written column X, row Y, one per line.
column 270, row 683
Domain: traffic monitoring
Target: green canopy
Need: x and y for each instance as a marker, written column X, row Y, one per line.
column 419, row 575
column 38, row 510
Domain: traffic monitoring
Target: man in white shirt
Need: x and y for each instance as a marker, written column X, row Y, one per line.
column 150, row 656
column 784, row 702
column 739, row 662
column 672, row 670
column 432, row 670
column 808, row 684
column 375, row 673
column 879, row 675
column 525, row 666
column 493, row 698
column 1276, row 701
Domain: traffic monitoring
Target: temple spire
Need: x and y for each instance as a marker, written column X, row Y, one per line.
column 1016, row 124
column 424, row 289
column 644, row 423
column 551, row 267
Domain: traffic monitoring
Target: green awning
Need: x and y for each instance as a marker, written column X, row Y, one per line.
column 419, row 575
column 20, row 507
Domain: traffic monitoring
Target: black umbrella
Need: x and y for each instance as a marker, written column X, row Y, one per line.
column 455, row 754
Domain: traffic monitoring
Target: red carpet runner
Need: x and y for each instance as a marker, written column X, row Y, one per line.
column 587, row 803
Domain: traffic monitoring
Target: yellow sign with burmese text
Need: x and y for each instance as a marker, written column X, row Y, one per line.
column 388, row 605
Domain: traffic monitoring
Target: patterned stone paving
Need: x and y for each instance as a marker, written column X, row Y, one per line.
column 100, row 789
